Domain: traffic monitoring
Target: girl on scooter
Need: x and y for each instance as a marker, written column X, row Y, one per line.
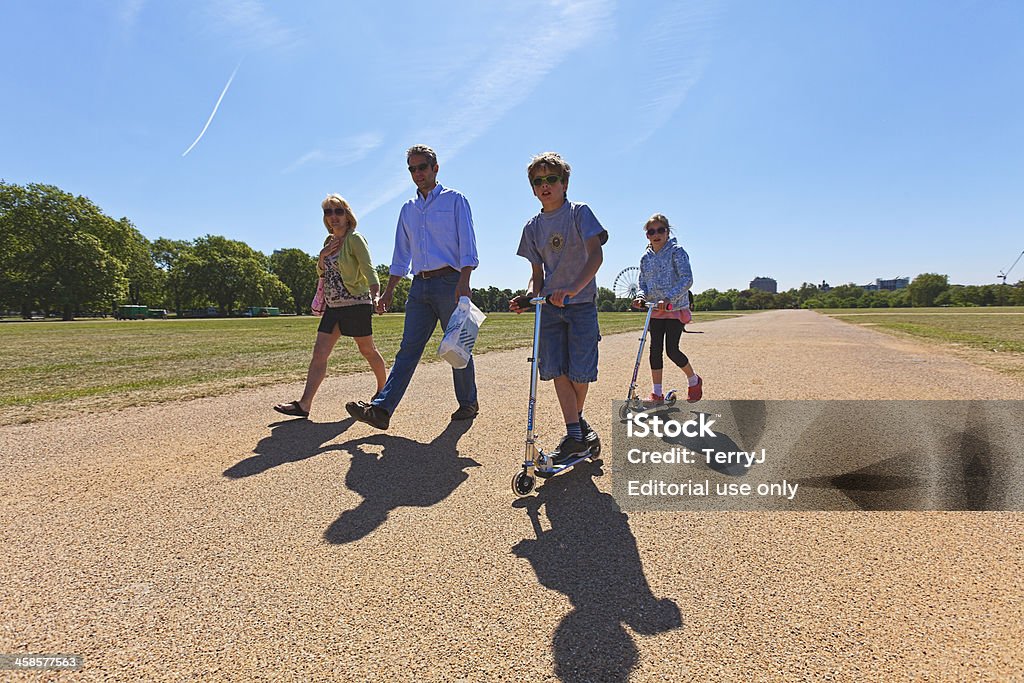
column 665, row 276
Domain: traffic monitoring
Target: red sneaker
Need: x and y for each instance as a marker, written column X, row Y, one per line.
column 694, row 393
column 656, row 399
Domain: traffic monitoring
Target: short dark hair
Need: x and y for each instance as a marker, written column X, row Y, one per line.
column 423, row 150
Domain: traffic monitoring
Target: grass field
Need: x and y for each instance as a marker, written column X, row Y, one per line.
column 991, row 336
column 48, row 369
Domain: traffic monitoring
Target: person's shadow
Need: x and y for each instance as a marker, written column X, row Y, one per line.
column 590, row 555
column 405, row 473
column 289, row 441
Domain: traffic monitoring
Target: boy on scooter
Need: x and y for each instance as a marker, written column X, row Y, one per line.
column 563, row 245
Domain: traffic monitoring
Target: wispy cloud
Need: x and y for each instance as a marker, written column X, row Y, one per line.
column 249, row 25
column 676, row 53
column 213, row 113
column 127, row 13
column 340, row 153
column 506, row 78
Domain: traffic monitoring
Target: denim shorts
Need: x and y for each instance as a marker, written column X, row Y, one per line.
column 568, row 342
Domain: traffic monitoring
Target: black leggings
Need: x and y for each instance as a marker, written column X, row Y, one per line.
column 662, row 331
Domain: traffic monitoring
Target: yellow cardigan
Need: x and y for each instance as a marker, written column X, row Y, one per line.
column 354, row 264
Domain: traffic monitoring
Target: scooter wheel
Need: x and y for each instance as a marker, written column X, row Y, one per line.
column 670, row 398
column 595, row 450
column 624, row 411
column 522, row 483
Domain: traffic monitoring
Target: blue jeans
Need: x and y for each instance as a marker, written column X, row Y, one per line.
column 430, row 301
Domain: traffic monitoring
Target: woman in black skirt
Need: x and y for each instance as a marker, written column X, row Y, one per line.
column 350, row 293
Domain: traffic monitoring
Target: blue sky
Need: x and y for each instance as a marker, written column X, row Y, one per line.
column 800, row 140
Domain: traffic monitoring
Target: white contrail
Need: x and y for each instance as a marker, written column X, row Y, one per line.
column 214, row 112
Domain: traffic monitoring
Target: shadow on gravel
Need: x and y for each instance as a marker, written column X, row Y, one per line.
column 405, row 473
column 590, row 555
column 974, row 471
column 289, row 441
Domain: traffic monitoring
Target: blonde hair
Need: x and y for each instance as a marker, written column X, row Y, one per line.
column 659, row 218
column 335, row 199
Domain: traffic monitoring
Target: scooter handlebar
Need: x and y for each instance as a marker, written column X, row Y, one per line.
column 650, row 304
column 527, row 302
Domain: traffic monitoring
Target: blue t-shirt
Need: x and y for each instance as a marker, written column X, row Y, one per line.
column 558, row 241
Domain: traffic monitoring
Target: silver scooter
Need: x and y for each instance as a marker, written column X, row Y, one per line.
column 634, row 404
column 537, row 462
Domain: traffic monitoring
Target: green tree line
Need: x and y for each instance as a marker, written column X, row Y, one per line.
column 59, row 253
column 927, row 289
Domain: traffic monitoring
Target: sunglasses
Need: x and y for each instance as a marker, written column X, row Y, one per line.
column 419, row 167
column 340, row 211
column 546, row 180
column 660, row 230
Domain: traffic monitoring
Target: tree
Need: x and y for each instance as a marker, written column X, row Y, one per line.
column 297, row 270
column 131, row 247
column 401, row 289
column 165, row 254
column 85, row 276
column 60, row 251
column 275, row 293
column 229, row 273
column 926, row 287
column 605, row 296
column 492, row 299
column 806, row 292
column 705, row 301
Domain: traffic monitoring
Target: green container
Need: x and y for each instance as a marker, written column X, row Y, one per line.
column 131, row 312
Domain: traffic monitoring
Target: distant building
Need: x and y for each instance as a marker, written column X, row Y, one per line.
column 824, row 286
column 765, row 284
column 888, row 285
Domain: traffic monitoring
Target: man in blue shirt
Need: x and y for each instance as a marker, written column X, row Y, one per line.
column 435, row 238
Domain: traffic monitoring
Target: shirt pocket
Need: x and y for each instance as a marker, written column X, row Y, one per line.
column 441, row 222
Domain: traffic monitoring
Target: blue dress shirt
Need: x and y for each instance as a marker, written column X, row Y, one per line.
column 434, row 232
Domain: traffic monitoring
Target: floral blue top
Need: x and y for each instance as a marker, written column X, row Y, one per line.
column 666, row 275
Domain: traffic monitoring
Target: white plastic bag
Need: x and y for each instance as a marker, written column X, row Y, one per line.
column 460, row 335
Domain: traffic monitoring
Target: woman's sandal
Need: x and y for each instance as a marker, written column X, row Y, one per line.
column 292, row 409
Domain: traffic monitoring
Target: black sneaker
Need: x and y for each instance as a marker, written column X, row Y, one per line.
column 568, row 449
column 367, row 404
column 375, row 416
column 466, row 412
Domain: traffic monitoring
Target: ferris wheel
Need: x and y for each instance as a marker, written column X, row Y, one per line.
column 627, row 283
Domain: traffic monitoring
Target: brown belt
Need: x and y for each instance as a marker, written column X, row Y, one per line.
column 427, row 274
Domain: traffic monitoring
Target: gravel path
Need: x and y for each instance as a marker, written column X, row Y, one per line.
column 208, row 540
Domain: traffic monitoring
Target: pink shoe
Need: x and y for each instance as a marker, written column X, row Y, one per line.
column 656, row 399
column 694, row 393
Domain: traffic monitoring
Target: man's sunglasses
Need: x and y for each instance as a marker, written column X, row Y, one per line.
column 660, row 230
column 340, row 211
column 419, row 167
column 545, row 180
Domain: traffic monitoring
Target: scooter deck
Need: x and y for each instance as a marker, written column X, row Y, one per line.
column 563, row 467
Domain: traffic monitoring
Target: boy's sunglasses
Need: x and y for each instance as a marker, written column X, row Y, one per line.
column 546, row 179
column 660, row 230
column 340, row 211
column 419, row 167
